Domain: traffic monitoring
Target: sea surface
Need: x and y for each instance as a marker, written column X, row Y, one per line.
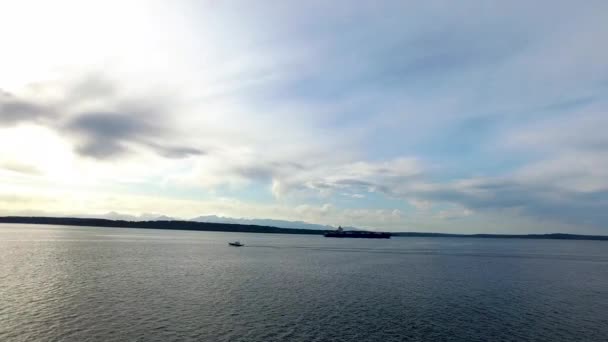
column 119, row 284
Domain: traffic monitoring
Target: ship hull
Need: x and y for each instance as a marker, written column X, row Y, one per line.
column 359, row 235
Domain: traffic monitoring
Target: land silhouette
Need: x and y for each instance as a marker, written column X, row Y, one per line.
column 245, row 228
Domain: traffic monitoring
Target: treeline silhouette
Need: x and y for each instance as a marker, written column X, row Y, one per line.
column 555, row 236
column 173, row 224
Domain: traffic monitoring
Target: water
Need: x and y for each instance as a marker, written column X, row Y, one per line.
column 103, row 284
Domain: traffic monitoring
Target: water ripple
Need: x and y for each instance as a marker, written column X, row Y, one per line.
column 73, row 284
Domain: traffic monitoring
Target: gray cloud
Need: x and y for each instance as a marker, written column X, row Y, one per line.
column 539, row 201
column 516, row 194
column 331, row 177
column 14, row 110
column 104, row 134
column 92, row 86
column 102, row 123
column 175, row 152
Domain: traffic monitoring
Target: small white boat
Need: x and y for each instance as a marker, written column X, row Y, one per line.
column 235, row 244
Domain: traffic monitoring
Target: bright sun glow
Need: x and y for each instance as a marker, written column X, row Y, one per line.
column 36, row 151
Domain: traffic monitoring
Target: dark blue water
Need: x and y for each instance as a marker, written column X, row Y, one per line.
column 103, row 284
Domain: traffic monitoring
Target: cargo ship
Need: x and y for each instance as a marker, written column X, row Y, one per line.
column 341, row 233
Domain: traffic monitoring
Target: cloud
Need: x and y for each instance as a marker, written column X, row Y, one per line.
column 176, row 152
column 321, row 102
column 14, row 110
column 11, row 199
column 104, row 135
column 563, row 178
column 100, row 121
column 420, row 204
column 511, row 196
column 451, row 214
column 108, row 134
column 579, row 129
column 19, row 167
column 351, row 177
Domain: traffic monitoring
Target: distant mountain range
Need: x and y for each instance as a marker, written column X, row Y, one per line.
column 265, row 222
column 220, row 219
column 112, row 215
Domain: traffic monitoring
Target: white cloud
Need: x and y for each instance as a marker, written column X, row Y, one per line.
column 454, row 213
column 420, row 204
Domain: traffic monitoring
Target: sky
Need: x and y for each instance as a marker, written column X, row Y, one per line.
column 443, row 116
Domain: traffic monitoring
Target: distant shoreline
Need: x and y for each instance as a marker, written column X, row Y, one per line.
column 242, row 228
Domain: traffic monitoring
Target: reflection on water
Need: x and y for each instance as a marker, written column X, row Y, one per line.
column 104, row 284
